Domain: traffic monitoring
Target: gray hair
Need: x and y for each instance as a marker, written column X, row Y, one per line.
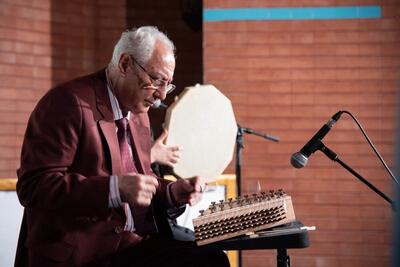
column 139, row 42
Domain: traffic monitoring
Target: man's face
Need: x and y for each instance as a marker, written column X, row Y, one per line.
column 138, row 91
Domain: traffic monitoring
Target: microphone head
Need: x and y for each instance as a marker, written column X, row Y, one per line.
column 158, row 104
column 298, row 160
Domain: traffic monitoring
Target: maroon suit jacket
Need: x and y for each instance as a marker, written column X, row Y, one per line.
column 69, row 151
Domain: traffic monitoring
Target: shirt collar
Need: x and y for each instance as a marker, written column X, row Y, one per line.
column 117, row 111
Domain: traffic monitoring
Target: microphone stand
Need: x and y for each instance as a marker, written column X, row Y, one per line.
column 333, row 156
column 238, row 164
column 240, row 146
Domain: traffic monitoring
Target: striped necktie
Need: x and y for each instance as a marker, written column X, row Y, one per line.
column 143, row 217
column 126, row 153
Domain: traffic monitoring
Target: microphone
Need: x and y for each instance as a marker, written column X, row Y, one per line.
column 159, row 104
column 300, row 158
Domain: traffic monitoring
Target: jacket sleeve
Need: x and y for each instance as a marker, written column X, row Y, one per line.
column 45, row 179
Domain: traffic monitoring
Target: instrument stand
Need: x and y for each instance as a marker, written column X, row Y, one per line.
column 238, row 164
column 288, row 236
column 333, row 156
column 282, row 259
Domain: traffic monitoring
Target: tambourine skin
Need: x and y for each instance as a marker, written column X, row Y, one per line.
column 202, row 122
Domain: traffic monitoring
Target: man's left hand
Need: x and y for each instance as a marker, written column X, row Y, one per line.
column 188, row 191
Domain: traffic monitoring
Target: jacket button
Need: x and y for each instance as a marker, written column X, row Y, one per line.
column 118, row 229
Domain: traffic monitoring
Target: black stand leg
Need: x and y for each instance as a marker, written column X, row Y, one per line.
column 238, row 166
column 238, row 172
column 282, row 258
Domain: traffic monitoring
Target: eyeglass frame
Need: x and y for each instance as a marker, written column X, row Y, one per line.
column 169, row 87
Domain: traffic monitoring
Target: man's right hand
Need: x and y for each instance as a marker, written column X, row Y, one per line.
column 137, row 189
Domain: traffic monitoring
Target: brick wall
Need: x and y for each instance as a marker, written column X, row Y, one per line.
column 25, row 71
column 287, row 78
column 42, row 43
column 83, row 35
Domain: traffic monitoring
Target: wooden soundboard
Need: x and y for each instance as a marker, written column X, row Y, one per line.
column 242, row 215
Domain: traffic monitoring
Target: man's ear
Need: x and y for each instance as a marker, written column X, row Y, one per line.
column 123, row 63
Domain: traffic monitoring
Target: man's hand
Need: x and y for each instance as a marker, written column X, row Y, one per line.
column 188, row 190
column 137, row 189
column 167, row 155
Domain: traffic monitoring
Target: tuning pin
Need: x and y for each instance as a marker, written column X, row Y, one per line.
column 271, row 194
column 230, row 202
column 201, row 212
column 212, row 206
column 279, row 193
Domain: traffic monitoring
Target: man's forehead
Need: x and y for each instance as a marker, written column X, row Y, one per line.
column 162, row 58
column 161, row 49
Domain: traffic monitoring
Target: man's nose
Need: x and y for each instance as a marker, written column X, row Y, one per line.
column 160, row 93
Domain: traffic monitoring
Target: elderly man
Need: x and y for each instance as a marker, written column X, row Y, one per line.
column 85, row 181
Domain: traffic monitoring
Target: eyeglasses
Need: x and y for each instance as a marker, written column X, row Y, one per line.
column 156, row 82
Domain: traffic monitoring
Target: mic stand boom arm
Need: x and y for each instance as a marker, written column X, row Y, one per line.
column 333, row 156
column 260, row 134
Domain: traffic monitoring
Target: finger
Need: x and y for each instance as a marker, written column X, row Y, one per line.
column 195, row 198
column 148, row 179
column 148, row 184
column 198, row 184
column 175, row 149
column 144, row 201
column 150, row 189
column 176, row 155
column 147, row 195
column 204, row 187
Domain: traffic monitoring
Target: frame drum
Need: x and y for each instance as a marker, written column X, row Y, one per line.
column 202, row 122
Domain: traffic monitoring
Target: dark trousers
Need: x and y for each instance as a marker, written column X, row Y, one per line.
column 159, row 252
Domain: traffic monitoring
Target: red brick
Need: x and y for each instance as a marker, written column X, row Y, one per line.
column 9, row 58
column 24, row 59
column 6, row 45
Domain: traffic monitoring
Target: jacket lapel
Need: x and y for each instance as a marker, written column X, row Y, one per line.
column 106, row 122
column 109, row 131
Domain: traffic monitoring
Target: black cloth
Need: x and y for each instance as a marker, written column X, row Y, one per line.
column 157, row 251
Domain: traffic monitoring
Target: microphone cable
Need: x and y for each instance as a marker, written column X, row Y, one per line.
column 372, row 145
